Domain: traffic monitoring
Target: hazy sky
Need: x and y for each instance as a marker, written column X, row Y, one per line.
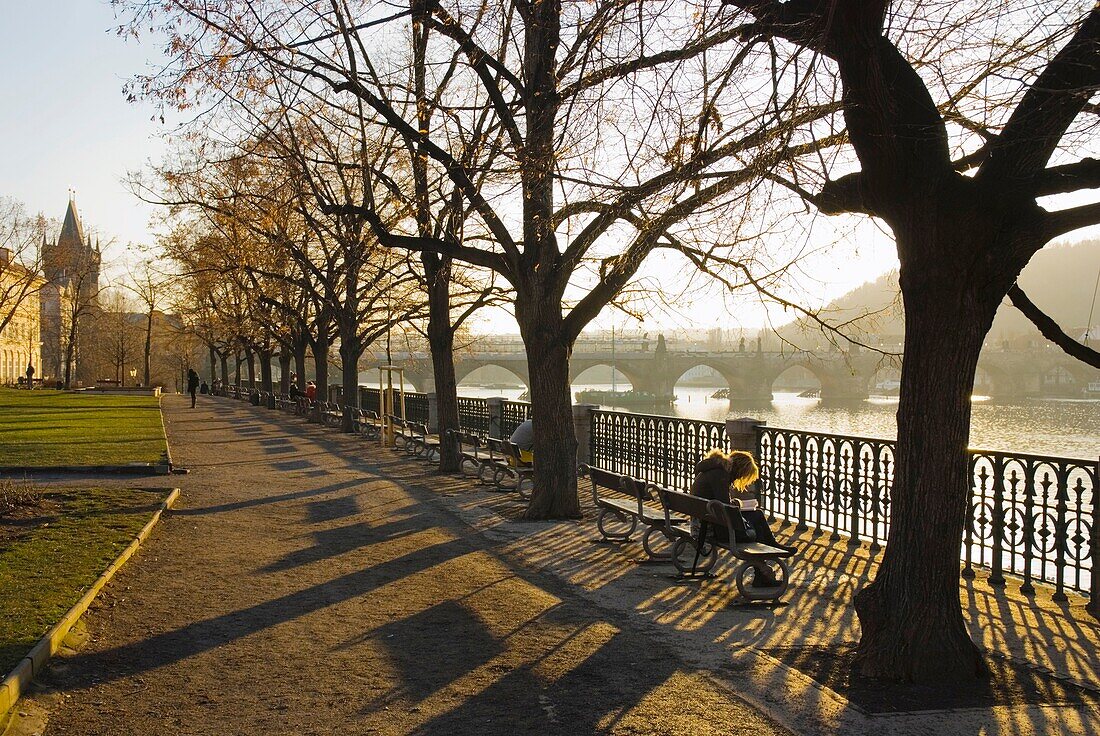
column 65, row 123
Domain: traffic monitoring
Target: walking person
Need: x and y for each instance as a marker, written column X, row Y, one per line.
column 192, row 384
column 30, row 376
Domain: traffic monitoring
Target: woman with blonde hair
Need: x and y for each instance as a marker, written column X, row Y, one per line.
column 720, row 475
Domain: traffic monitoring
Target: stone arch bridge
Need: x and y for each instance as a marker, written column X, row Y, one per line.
column 750, row 374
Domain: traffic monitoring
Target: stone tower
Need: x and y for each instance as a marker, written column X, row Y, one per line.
column 71, row 267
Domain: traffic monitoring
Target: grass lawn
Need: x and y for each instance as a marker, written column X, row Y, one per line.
column 47, row 428
column 51, row 554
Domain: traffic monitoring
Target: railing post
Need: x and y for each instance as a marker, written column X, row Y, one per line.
column 496, row 416
column 433, row 412
column 1093, row 606
column 743, row 435
column 582, row 427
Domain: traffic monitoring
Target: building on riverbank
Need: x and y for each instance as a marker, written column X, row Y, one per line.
column 20, row 319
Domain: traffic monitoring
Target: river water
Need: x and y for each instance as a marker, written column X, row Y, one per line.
column 1041, row 427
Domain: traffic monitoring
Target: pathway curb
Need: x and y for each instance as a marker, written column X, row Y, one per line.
column 161, row 468
column 15, row 684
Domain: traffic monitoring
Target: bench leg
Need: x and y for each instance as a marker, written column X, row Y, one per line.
column 611, row 533
column 747, row 574
column 469, row 468
column 691, row 561
column 651, row 534
column 525, row 484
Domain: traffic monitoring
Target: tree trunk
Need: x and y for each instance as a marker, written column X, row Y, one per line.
column 441, row 336
column 555, row 450
column 266, row 383
column 70, row 350
column 320, row 367
column 912, row 623
column 300, row 346
column 213, row 363
column 225, row 368
column 284, row 371
column 148, row 346
column 250, row 359
column 238, row 360
column 351, row 350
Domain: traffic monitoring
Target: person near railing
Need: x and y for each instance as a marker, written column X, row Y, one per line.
column 524, row 439
column 719, row 477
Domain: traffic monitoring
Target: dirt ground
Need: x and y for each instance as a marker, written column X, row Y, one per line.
column 308, row 583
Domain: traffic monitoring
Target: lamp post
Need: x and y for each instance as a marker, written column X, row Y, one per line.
column 133, row 375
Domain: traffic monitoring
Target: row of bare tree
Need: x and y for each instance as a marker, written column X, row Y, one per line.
column 356, row 164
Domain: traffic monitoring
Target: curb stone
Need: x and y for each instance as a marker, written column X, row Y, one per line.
column 15, row 684
column 161, row 468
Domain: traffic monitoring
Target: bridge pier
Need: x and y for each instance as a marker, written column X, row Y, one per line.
column 846, row 388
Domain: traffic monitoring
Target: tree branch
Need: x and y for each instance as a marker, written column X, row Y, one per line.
column 1050, row 329
column 1064, row 221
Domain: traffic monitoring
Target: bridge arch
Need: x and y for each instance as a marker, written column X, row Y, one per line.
column 741, row 385
column 838, row 380
column 464, row 368
column 637, row 380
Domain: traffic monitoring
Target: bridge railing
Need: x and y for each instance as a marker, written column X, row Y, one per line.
column 473, row 415
column 1032, row 516
column 416, row 404
column 655, row 448
column 513, row 414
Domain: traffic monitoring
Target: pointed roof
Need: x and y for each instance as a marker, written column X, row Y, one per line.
column 72, row 232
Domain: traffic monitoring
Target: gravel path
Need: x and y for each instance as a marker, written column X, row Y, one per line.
column 307, row 583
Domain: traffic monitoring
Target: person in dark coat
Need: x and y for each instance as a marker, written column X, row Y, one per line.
column 192, row 384
column 717, row 477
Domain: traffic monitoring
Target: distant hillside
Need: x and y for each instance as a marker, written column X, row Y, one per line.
column 1060, row 279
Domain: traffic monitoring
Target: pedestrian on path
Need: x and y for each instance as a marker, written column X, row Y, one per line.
column 192, row 384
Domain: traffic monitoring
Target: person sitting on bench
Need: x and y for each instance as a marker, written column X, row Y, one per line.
column 717, row 476
column 524, row 438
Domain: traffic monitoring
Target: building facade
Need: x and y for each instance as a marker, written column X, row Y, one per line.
column 20, row 337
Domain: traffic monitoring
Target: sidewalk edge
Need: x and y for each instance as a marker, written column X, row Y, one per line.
column 15, row 684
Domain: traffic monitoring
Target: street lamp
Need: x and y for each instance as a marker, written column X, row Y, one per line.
column 133, row 375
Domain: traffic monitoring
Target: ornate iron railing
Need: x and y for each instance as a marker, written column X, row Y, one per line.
column 833, row 482
column 513, row 414
column 369, row 398
column 1035, row 517
column 658, row 449
column 473, row 415
column 416, row 404
column 416, row 407
column 1030, row 515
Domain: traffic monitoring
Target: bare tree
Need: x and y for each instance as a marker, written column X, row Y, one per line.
column 580, row 192
column 958, row 182
column 115, row 336
column 152, row 290
column 21, row 236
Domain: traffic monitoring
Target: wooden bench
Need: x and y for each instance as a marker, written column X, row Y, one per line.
column 367, row 424
column 402, row 434
column 424, row 444
column 627, row 508
column 509, row 466
column 702, row 547
column 331, row 414
column 475, row 458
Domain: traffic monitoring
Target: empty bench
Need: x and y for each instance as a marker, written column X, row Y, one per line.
column 621, row 501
